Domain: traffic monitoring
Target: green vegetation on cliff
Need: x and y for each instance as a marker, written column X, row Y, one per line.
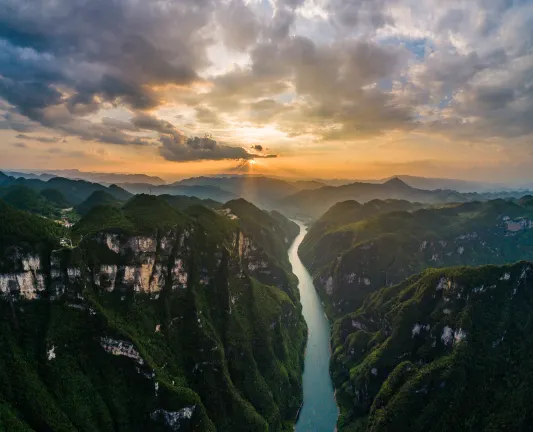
column 25, row 230
column 73, row 191
column 97, row 198
column 23, row 198
column 446, row 350
column 353, row 256
column 323, row 234
column 201, row 341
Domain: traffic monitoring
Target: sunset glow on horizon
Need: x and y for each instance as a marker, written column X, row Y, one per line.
column 289, row 88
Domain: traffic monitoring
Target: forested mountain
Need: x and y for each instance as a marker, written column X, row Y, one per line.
column 208, row 192
column 183, row 202
column 24, row 232
column 97, row 198
column 355, row 256
column 346, row 213
column 73, row 191
column 311, row 204
column 97, row 177
column 446, row 350
column 263, row 191
column 45, row 203
column 155, row 319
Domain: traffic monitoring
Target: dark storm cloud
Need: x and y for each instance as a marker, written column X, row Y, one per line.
column 177, row 147
column 148, row 122
column 119, row 124
column 63, row 60
column 181, row 149
column 97, row 51
column 16, row 122
column 41, row 139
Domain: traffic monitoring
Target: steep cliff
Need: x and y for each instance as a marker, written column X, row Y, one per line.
column 354, row 256
column 153, row 320
column 446, row 350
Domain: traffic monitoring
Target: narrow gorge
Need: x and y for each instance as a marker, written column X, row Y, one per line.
column 155, row 320
column 319, row 410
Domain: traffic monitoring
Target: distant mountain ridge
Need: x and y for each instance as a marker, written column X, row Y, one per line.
column 262, row 191
column 199, row 191
column 434, row 183
column 98, row 177
column 302, row 199
column 310, row 204
column 73, row 191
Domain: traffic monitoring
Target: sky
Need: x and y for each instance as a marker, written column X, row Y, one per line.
column 292, row 88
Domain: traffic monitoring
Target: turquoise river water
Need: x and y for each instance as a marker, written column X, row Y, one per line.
column 319, row 411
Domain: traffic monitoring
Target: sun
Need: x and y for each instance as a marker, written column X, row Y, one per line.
column 252, row 162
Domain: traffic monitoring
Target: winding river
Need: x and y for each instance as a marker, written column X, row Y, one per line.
column 319, row 411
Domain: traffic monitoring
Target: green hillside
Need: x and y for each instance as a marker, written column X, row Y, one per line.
column 183, row 202
column 446, row 350
column 322, row 234
column 349, row 260
column 201, row 342
column 24, row 198
column 55, row 197
column 97, row 198
column 73, row 191
column 25, row 231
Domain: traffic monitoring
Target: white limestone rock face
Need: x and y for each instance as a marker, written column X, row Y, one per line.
column 166, row 242
column 145, row 278
column 184, row 236
column 506, row 277
column 112, row 242
column 141, row 244
column 73, row 274
column 246, row 246
column 31, row 263
column 108, row 274
column 121, row 348
column 179, row 274
column 6, row 282
column 358, row 325
column 174, row 419
column 51, row 353
column 350, row 278
column 329, row 286
column 58, row 282
column 447, row 335
column 444, row 284
column 144, row 272
column 459, row 335
column 129, row 275
column 158, row 279
column 417, row 328
column 27, row 284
